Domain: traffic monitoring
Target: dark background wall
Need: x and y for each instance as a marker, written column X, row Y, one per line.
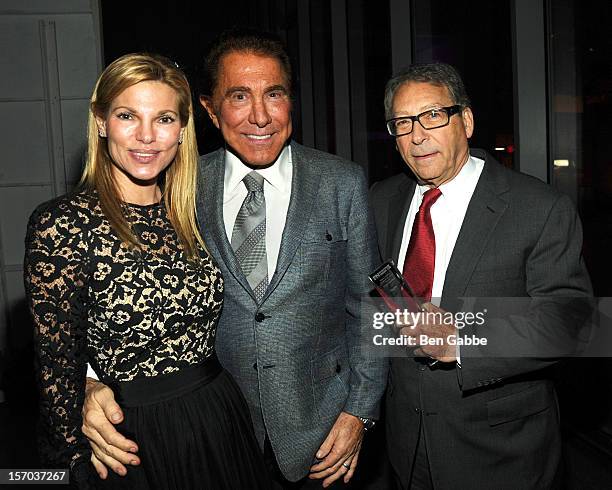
column 342, row 58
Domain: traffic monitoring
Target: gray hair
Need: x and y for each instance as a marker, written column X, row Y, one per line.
column 439, row 74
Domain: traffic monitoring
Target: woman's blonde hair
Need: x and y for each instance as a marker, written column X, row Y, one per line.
column 179, row 179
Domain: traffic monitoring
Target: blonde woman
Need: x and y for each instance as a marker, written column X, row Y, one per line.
column 118, row 276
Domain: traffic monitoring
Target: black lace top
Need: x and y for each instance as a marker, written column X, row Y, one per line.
column 129, row 313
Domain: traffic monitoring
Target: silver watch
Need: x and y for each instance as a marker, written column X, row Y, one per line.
column 368, row 424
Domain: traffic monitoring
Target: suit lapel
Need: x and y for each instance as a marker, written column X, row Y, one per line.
column 481, row 218
column 304, row 187
column 399, row 205
column 214, row 227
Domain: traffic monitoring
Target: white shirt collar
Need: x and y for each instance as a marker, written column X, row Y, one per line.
column 458, row 191
column 277, row 175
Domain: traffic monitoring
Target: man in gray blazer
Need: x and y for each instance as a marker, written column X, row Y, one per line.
column 480, row 417
column 290, row 331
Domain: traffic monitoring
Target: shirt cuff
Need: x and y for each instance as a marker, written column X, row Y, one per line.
column 91, row 373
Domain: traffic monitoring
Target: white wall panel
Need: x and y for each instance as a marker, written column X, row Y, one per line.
column 74, row 118
column 50, row 57
column 25, row 155
column 17, row 205
column 76, row 52
column 14, row 291
column 44, row 6
column 20, row 62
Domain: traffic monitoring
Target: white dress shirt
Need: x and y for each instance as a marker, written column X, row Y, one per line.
column 277, row 191
column 447, row 215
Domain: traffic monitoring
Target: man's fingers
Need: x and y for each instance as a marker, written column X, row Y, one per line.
column 330, row 463
column 337, row 472
column 353, row 465
column 99, row 410
column 99, row 467
column 327, row 445
column 331, row 479
column 343, row 440
column 112, row 453
column 120, row 444
column 106, row 435
column 345, row 468
column 430, row 307
column 110, row 449
column 106, row 399
column 98, row 429
column 107, row 460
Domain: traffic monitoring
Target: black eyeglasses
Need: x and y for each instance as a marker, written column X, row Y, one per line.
column 430, row 119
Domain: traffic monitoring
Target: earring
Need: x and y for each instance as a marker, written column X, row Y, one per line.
column 180, row 140
column 102, row 133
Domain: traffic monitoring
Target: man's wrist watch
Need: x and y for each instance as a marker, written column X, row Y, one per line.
column 368, row 424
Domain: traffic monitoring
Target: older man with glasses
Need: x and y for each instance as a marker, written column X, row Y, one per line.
column 462, row 225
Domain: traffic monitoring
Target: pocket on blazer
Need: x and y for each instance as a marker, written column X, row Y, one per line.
column 532, row 400
column 330, row 382
column 323, row 255
column 329, row 364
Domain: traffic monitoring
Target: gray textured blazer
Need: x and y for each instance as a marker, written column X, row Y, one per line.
column 493, row 423
column 297, row 356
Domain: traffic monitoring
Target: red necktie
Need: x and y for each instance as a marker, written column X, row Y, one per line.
column 421, row 255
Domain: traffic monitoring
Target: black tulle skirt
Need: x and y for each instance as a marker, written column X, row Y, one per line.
column 193, row 431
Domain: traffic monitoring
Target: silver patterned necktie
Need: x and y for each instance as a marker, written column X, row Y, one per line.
column 249, row 235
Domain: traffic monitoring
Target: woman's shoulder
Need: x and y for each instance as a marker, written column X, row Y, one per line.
column 69, row 211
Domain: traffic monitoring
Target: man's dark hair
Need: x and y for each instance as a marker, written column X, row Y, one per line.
column 439, row 74
column 244, row 41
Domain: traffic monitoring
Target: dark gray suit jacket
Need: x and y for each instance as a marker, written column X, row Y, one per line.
column 493, row 423
column 297, row 356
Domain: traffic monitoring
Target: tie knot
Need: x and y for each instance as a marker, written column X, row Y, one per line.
column 253, row 182
column 430, row 197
